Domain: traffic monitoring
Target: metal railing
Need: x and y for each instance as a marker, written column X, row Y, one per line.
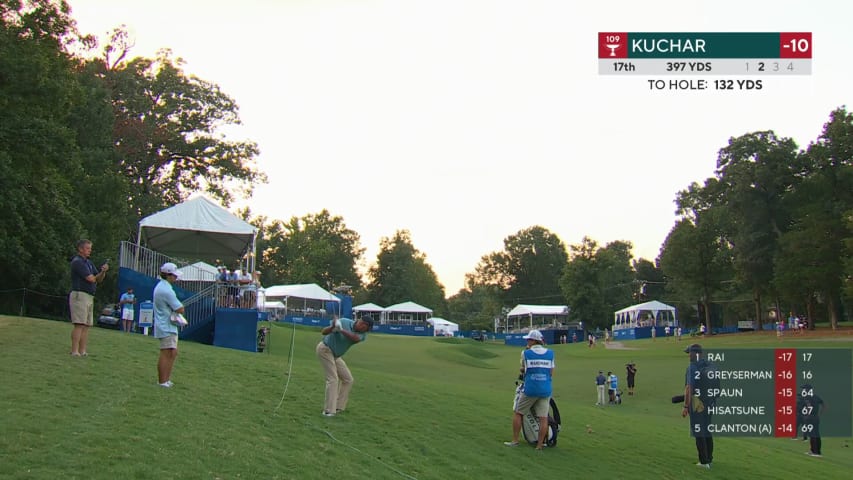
column 148, row 262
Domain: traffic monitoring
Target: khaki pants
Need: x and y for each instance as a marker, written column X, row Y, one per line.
column 602, row 399
column 82, row 307
column 338, row 379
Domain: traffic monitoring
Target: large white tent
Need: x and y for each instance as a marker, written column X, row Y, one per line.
column 306, row 298
column 310, row 291
column 441, row 326
column 199, row 272
column 658, row 313
column 368, row 307
column 536, row 316
column 199, row 229
column 406, row 313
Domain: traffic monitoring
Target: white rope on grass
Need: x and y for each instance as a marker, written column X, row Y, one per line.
column 289, row 366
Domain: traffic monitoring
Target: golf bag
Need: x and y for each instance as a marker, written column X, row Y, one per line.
column 530, row 422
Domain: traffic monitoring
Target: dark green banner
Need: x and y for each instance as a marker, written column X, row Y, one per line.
column 703, row 45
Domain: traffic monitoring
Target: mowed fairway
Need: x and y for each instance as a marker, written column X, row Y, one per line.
column 421, row 408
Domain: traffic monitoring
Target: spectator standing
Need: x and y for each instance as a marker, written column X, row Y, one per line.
column 600, row 386
column 232, row 278
column 700, row 419
column 631, row 373
column 126, row 302
column 222, row 287
column 81, row 300
column 166, row 304
column 244, row 283
column 812, row 409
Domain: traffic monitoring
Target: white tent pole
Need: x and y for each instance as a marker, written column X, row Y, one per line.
column 138, row 247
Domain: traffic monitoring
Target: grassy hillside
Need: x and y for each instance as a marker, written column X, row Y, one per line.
column 421, row 408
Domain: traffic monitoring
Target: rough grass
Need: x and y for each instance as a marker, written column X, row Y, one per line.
column 421, row 408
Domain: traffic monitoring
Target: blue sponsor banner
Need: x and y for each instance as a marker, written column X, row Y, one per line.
column 411, row 330
column 308, row 321
column 625, row 334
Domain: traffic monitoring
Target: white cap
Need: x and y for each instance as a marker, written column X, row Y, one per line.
column 534, row 335
column 170, row 268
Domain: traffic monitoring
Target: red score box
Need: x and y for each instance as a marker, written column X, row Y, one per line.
column 786, row 392
column 794, row 45
column 612, row 45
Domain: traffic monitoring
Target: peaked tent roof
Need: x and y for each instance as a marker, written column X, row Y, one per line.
column 311, row 291
column 368, row 307
column 199, row 272
column 538, row 310
column 440, row 322
column 197, row 229
column 654, row 306
column 408, row 307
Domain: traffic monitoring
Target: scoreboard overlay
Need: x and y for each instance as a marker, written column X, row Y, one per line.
column 709, row 53
column 783, row 392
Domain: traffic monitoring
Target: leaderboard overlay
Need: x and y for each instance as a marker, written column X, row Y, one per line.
column 714, row 53
column 781, row 393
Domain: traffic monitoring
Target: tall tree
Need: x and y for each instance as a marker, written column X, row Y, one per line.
column 168, row 131
column 401, row 273
column 54, row 148
column 696, row 261
column 597, row 281
column 475, row 307
column 755, row 171
column 316, row 248
column 528, row 270
column 810, row 263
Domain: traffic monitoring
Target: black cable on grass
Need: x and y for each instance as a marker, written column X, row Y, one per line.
column 389, row 467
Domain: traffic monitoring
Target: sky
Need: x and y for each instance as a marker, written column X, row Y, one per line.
column 466, row 121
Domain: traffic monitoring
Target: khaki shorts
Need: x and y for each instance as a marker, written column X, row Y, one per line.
column 170, row 342
column 82, row 308
column 127, row 314
column 538, row 405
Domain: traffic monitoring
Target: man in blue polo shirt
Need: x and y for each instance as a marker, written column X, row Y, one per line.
column 84, row 279
column 537, row 364
column 166, row 303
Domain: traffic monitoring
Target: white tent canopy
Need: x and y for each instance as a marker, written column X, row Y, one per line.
column 408, row 307
column 538, row 316
column 521, row 310
column 311, row 291
column 368, row 307
column 633, row 316
column 199, row 272
column 406, row 313
column 198, row 229
column 440, row 325
column 307, row 299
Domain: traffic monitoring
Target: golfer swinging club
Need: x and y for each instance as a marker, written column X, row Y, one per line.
column 337, row 339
